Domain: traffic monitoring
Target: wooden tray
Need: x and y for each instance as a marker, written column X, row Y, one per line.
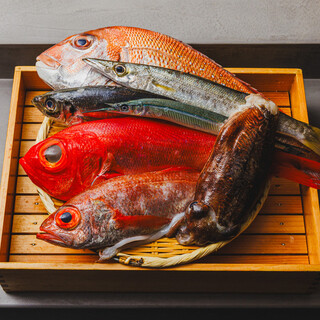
column 279, row 252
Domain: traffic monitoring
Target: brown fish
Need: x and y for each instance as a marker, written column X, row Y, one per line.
column 234, row 182
column 122, row 212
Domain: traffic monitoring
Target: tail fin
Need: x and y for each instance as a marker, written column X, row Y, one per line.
column 312, row 139
column 300, row 132
column 294, row 168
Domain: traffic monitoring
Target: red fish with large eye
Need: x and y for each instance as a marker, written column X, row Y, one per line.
column 73, row 159
column 122, row 212
column 70, row 161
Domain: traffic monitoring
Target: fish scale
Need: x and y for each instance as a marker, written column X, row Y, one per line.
column 116, row 146
column 122, row 212
column 193, row 61
column 129, row 44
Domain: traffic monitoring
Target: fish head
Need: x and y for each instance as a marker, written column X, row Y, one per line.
column 200, row 226
column 61, row 66
column 50, row 105
column 79, row 223
column 60, row 106
column 66, row 227
column 64, row 164
column 131, row 75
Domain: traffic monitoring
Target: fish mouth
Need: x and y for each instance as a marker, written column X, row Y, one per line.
column 25, row 166
column 48, row 73
column 51, row 238
column 47, row 62
column 30, row 172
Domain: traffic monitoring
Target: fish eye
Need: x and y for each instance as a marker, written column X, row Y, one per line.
column 53, row 153
column 82, row 42
column 124, row 108
column 50, row 105
column 120, row 70
column 68, row 218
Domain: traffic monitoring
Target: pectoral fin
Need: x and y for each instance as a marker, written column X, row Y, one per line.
column 108, row 170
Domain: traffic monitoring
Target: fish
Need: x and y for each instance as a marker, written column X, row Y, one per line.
column 73, row 159
column 79, row 156
column 122, row 212
column 234, row 183
column 61, row 66
column 199, row 92
column 74, row 106
column 77, row 105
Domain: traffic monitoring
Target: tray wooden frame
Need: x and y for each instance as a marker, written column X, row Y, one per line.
column 57, row 272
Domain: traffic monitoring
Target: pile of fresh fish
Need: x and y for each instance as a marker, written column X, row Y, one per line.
column 198, row 169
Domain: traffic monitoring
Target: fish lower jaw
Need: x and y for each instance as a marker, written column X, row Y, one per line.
column 48, row 237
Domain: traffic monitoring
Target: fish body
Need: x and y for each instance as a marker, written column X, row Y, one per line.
column 73, row 106
column 73, row 159
column 121, row 212
column 180, row 86
column 70, row 161
column 77, row 105
column 235, row 180
column 199, row 92
column 61, row 66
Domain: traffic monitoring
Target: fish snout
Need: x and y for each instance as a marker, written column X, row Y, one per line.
column 24, row 165
column 36, row 100
column 48, row 61
column 50, row 232
column 47, row 223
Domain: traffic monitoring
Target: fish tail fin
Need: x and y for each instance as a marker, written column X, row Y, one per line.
column 297, row 169
column 312, row 140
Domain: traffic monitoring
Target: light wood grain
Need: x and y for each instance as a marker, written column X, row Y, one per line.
column 213, row 258
column 25, row 146
column 10, row 163
column 32, row 114
column 30, row 131
column 244, row 244
column 284, row 186
column 24, row 185
column 282, row 204
column 30, row 223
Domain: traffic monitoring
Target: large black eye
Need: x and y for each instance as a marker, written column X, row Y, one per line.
column 66, row 217
column 124, row 108
column 53, row 154
column 50, row 105
column 120, row 69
